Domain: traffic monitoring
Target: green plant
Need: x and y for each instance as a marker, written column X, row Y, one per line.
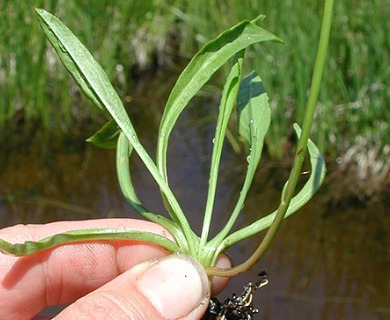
column 254, row 116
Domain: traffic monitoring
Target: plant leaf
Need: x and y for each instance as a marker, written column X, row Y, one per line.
column 254, row 118
column 251, row 88
column 70, row 50
column 202, row 66
column 31, row 247
column 226, row 106
column 317, row 175
column 107, row 136
column 88, row 74
column 95, row 84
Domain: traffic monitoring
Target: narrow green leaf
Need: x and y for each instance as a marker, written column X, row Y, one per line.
column 71, row 51
column 203, row 65
column 317, row 175
column 74, row 236
column 88, row 74
column 107, row 136
column 226, row 106
column 95, row 84
column 254, row 118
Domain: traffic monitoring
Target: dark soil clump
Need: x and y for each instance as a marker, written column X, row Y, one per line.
column 236, row 307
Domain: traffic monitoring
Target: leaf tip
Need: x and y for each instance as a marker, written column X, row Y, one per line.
column 40, row 11
column 259, row 18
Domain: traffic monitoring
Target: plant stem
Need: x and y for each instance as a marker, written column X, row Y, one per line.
column 299, row 155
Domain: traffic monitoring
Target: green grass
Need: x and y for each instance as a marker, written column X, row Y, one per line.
column 353, row 103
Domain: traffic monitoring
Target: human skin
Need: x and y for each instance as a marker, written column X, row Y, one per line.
column 111, row 278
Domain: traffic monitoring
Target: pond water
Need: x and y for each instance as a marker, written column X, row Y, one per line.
column 327, row 262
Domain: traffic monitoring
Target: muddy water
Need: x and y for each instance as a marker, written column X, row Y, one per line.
column 328, row 262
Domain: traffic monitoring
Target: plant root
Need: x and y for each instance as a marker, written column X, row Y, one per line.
column 237, row 307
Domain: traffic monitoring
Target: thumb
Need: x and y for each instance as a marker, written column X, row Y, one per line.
column 173, row 287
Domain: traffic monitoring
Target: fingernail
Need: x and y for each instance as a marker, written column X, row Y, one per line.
column 175, row 285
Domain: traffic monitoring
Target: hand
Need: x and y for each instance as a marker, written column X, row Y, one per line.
column 103, row 280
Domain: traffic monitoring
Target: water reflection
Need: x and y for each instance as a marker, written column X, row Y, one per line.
column 326, row 263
